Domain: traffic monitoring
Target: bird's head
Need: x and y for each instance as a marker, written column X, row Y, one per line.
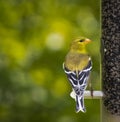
column 79, row 44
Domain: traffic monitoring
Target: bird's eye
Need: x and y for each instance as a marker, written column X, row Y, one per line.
column 82, row 40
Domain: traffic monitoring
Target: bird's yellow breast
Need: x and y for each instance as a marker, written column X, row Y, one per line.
column 76, row 61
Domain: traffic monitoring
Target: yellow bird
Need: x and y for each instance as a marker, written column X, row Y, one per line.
column 77, row 66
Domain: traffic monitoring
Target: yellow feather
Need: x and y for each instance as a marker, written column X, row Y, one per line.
column 77, row 57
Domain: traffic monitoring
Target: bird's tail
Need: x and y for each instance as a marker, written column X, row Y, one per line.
column 80, row 104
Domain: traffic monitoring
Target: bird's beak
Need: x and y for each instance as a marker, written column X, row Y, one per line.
column 87, row 41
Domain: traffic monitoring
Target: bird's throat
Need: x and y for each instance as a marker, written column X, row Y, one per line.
column 80, row 51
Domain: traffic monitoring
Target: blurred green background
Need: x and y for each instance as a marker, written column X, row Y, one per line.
column 35, row 36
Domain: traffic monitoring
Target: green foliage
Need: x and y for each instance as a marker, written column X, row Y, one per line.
column 34, row 38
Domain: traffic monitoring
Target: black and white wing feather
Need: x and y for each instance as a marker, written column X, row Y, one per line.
column 78, row 80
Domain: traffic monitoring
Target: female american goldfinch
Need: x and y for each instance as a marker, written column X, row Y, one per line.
column 77, row 66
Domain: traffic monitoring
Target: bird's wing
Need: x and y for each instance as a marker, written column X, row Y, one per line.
column 78, row 79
